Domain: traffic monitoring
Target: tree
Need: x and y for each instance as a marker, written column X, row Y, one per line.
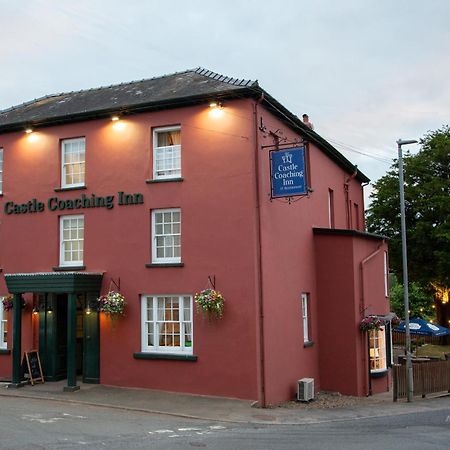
column 427, row 204
column 419, row 301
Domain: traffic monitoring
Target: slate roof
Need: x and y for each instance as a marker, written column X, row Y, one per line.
column 174, row 89
column 169, row 91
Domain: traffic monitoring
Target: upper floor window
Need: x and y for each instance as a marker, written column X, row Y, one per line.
column 386, row 274
column 167, row 153
column 166, row 236
column 166, row 324
column 1, row 170
column 3, row 326
column 331, row 208
column 73, row 153
column 357, row 222
column 71, row 240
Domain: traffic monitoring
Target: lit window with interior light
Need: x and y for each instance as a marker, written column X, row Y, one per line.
column 73, row 153
column 166, row 324
column 167, row 153
column 377, row 350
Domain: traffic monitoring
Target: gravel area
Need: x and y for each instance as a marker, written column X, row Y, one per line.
column 330, row 400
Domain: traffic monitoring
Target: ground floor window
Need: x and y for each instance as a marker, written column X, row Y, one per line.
column 377, row 350
column 166, row 323
column 306, row 318
column 3, row 326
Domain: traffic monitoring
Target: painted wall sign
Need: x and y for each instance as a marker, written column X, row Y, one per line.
column 287, row 172
column 82, row 202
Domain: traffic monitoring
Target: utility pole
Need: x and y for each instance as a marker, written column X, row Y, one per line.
column 409, row 369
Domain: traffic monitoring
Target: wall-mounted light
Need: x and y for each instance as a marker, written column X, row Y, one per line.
column 115, row 118
column 88, row 310
column 35, row 311
column 28, row 130
column 50, row 310
column 215, row 104
column 216, row 109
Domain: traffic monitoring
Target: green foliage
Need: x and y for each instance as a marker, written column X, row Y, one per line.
column 420, row 301
column 427, row 202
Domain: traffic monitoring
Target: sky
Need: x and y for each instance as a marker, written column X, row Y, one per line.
column 368, row 72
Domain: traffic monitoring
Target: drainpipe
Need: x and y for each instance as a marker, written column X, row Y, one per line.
column 362, row 306
column 259, row 278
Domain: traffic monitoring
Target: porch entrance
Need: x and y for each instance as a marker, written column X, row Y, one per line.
column 53, row 337
column 69, row 332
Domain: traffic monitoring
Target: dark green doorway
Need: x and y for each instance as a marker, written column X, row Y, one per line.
column 53, row 309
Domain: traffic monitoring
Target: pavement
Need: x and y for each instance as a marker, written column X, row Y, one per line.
column 327, row 407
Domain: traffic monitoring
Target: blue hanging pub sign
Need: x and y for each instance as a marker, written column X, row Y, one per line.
column 288, row 172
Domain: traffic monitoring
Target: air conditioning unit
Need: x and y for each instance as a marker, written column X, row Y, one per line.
column 305, row 390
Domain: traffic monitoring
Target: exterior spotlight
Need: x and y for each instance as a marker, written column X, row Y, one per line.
column 50, row 310
column 216, row 109
column 29, row 130
column 115, row 118
column 216, row 104
column 35, row 311
column 88, row 310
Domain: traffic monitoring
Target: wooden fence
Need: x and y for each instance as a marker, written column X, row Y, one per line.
column 399, row 339
column 428, row 378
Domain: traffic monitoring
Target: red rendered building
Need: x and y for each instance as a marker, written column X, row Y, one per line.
column 173, row 198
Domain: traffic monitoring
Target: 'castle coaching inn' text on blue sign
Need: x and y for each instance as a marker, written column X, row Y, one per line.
column 287, row 172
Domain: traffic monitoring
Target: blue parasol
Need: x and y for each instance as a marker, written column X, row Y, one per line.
column 421, row 327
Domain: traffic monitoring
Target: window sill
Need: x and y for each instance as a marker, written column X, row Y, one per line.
column 379, row 374
column 68, row 268
column 164, row 180
column 164, row 265
column 308, row 344
column 74, row 188
column 165, row 356
column 4, row 351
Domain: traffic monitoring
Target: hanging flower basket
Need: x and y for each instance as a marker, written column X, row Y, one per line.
column 370, row 323
column 112, row 304
column 8, row 303
column 210, row 301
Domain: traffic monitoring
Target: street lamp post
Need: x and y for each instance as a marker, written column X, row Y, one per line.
column 409, row 369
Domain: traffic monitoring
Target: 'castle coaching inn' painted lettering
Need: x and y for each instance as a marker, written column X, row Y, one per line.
column 82, row 202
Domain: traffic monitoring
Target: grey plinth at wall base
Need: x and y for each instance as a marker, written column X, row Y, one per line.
column 16, row 385
column 71, row 388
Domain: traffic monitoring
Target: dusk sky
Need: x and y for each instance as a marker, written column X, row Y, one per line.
column 367, row 72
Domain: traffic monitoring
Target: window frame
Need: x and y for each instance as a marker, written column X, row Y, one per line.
column 62, row 261
column 386, row 273
column 1, row 170
column 331, row 222
column 162, row 259
column 306, row 317
column 155, row 149
column 382, row 341
column 182, row 349
column 3, row 327
column 65, row 185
